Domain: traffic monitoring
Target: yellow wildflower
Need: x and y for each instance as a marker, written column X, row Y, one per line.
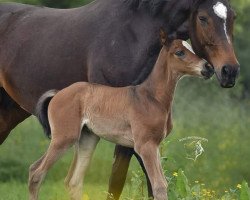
column 196, row 181
column 175, row 174
column 239, row 186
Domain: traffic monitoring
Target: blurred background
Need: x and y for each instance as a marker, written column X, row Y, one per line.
column 220, row 117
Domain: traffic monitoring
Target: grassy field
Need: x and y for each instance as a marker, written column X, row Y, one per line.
column 201, row 109
column 208, row 120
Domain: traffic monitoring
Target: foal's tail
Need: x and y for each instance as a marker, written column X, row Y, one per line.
column 42, row 110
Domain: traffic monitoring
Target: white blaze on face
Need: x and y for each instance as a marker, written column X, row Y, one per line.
column 188, row 46
column 221, row 11
column 199, row 65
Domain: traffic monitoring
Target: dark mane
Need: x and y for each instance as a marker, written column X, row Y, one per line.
column 153, row 6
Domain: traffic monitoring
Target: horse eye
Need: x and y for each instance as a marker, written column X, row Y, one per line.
column 180, row 53
column 203, row 19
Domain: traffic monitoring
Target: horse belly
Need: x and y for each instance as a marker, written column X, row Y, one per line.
column 112, row 130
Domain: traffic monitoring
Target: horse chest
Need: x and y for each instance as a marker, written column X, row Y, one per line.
column 111, row 129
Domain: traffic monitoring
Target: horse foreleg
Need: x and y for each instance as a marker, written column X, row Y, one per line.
column 84, row 152
column 149, row 187
column 11, row 115
column 122, row 157
column 149, row 152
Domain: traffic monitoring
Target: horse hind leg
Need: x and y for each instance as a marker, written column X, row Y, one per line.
column 84, row 152
column 63, row 137
column 72, row 166
column 11, row 115
column 122, row 157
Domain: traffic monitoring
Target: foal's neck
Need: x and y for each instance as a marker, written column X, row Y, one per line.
column 162, row 81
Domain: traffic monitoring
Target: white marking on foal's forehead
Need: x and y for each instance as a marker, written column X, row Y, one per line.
column 188, row 46
column 220, row 10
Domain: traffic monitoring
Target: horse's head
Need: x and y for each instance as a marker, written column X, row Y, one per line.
column 211, row 33
column 183, row 60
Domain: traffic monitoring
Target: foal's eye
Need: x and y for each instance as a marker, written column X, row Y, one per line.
column 180, row 53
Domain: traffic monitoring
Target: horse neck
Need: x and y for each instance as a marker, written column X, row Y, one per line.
column 162, row 81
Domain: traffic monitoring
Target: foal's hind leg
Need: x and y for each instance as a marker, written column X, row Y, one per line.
column 72, row 166
column 40, row 168
column 84, row 151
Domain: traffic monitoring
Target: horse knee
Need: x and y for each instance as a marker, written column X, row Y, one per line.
column 75, row 190
column 160, row 193
column 35, row 179
column 74, row 184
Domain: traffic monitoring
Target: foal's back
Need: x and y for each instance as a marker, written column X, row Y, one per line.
column 104, row 110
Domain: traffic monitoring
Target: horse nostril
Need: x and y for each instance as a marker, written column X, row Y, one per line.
column 225, row 70
column 209, row 67
column 208, row 71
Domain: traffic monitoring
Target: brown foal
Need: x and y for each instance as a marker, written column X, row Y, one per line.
column 134, row 116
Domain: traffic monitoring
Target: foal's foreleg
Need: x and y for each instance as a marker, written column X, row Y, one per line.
column 150, row 155
column 149, row 187
column 84, row 151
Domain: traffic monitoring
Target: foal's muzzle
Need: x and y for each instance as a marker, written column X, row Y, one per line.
column 228, row 75
column 207, row 71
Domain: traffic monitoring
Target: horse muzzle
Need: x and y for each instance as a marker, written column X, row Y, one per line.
column 207, row 71
column 228, row 75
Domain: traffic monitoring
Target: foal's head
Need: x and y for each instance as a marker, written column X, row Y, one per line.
column 182, row 59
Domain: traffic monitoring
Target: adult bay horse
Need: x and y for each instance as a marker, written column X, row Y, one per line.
column 44, row 48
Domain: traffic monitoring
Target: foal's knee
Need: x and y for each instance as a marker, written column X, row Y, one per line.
column 35, row 179
column 75, row 190
column 160, row 193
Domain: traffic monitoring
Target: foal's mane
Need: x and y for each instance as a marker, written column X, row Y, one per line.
column 153, row 6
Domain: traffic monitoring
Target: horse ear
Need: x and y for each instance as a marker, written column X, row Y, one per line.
column 165, row 40
column 163, row 37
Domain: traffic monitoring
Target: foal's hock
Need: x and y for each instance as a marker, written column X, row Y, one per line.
column 134, row 116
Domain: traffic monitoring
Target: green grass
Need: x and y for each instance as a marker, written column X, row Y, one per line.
column 50, row 190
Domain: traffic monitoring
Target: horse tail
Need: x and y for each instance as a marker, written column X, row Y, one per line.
column 42, row 110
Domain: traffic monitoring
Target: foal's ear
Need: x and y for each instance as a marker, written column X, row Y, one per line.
column 163, row 37
column 165, row 40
